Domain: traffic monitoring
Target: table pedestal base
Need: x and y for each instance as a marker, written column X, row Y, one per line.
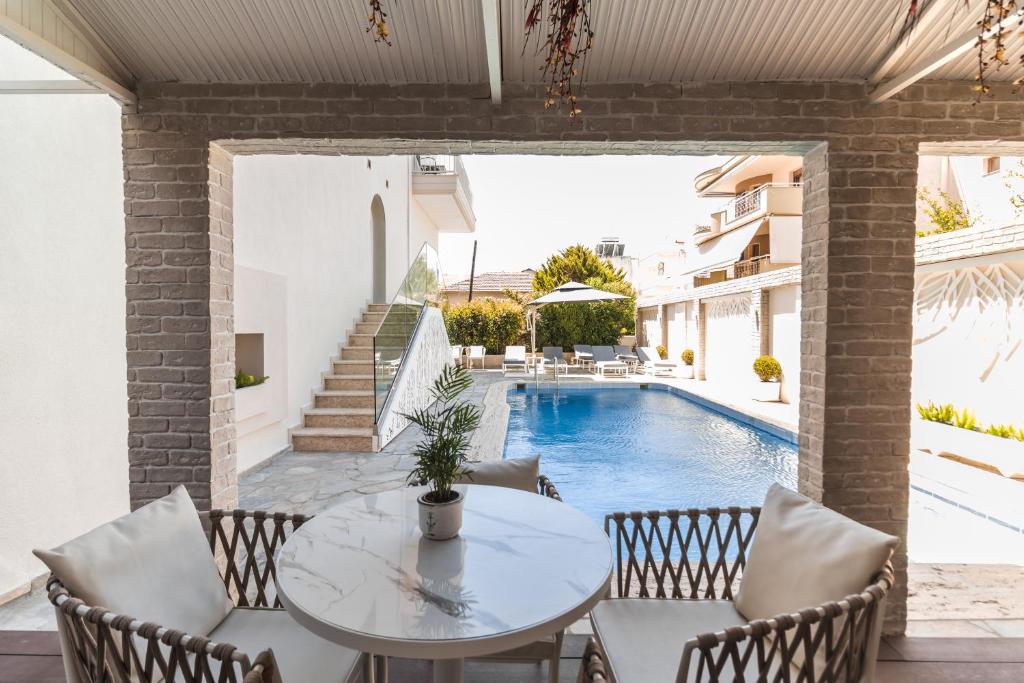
column 447, row 671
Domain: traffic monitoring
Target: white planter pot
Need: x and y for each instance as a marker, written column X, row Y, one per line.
column 685, row 371
column 767, row 391
column 441, row 521
column 252, row 401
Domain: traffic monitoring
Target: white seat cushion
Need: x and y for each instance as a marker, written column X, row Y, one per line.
column 643, row 638
column 515, row 473
column 804, row 554
column 301, row 655
column 154, row 564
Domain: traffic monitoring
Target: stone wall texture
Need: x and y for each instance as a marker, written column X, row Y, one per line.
column 857, row 265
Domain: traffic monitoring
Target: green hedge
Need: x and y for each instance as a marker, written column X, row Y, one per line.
column 494, row 324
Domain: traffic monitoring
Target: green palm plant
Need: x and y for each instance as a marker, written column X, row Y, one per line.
column 447, row 424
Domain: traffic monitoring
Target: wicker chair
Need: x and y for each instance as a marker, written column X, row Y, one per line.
column 103, row 646
column 700, row 555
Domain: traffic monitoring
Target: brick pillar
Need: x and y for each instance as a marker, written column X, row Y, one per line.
column 179, row 339
column 700, row 318
column 760, row 322
column 857, row 294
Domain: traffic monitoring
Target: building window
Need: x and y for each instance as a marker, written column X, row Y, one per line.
column 661, row 267
column 991, row 165
column 798, row 175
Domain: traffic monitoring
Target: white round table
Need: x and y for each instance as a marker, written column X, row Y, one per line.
column 523, row 567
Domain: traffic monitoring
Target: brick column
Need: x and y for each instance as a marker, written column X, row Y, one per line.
column 179, row 338
column 857, row 286
column 760, row 322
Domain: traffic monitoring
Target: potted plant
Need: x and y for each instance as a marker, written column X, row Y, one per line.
column 687, row 371
column 441, row 457
column 769, row 372
column 255, row 398
column 662, row 352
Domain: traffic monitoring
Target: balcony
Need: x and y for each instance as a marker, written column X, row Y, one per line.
column 440, row 185
column 773, row 199
column 740, row 269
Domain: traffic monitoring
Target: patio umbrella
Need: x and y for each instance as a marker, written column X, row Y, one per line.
column 569, row 293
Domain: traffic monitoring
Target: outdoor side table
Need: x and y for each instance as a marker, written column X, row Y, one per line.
column 523, row 567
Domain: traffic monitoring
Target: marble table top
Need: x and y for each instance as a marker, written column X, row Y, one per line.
column 523, row 567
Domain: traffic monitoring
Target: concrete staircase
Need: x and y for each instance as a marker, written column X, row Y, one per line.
column 342, row 417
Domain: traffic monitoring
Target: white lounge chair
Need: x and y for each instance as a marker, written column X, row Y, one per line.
column 626, row 355
column 515, row 359
column 583, row 355
column 605, row 362
column 476, row 353
column 456, row 354
column 807, row 594
column 653, row 363
column 554, row 358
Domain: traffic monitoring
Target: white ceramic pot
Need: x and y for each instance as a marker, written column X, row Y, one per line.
column 686, row 371
column 767, row 391
column 441, row 521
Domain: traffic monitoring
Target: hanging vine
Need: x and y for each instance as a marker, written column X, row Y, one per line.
column 567, row 43
column 994, row 27
column 377, row 23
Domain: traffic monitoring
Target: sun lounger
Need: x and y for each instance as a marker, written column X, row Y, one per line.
column 515, row 359
column 477, row 353
column 626, row 355
column 583, row 355
column 605, row 362
column 653, row 364
column 555, row 359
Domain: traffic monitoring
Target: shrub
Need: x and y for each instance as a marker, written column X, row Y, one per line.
column 767, row 368
column 945, row 213
column 937, row 413
column 243, row 380
column 1005, row 431
column 662, row 352
column 688, row 356
column 965, row 420
column 485, row 322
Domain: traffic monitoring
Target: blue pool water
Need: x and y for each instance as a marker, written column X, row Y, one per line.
column 624, row 449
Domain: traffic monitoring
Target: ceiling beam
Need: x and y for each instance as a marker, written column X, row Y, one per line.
column 492, row 46
column 929, row 15
column 53, row 87
column 955, row 48
column 95, row 72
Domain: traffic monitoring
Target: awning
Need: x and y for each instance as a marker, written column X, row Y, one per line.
column 722, row 251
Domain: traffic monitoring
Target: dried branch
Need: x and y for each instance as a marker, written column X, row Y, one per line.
column 378, row 24
column 569, row 39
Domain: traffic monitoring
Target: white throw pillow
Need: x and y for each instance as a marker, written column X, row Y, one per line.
column 517, row 473
column 804, row 554
column 154, row 564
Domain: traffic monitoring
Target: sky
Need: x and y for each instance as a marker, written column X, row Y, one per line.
column 529, row 207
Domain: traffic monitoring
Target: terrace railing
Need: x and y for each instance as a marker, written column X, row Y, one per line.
column 420, row 288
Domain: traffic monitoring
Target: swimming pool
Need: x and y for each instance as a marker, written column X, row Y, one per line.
column 630, row 448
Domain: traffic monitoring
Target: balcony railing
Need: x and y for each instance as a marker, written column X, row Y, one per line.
column 741, row 269
column 443, row 164
column 751, row 201
column 701, row 229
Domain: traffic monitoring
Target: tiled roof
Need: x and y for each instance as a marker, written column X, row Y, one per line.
column 521, row 281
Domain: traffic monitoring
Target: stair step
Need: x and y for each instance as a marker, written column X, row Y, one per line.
column 367, row 327
column 353, row 367
column 363, row 353
column 358, row 418
column 333, row 439
column 373, row 317
column 360, row 340
column 348, row 382
column 343, row 399
column 378, row 308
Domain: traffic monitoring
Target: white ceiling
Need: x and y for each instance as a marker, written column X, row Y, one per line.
column 116, row 43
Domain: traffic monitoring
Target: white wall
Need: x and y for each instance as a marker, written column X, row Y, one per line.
column 303, row 237
column 784, row 344
column 968, row 327
column 729, row 342
column 63, row 390
column 986, row 196
column 677, row 341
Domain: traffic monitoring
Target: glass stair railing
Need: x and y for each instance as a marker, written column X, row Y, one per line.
column 421, row 288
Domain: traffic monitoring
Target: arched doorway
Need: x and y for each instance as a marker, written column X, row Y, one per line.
column 380, row 287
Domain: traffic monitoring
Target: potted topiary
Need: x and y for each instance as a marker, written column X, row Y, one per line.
column 687, row 371
column 662, row 352
column 441, row 457
column 769, row 372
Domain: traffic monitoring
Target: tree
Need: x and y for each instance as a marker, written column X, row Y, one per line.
column 598, row 323
column 945, row 213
